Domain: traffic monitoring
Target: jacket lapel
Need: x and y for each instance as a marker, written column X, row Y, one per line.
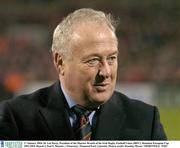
column 110, row 121
column 56, row 115
column 58, row 124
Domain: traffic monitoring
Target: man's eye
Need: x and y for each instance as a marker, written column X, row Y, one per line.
column 112, row 59
column 93, row 62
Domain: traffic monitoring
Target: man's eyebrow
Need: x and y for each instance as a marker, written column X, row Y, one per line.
column 91, row 55
column 98, row 55
column 116, row 52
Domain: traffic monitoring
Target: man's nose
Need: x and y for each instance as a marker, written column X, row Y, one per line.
column 105, row 69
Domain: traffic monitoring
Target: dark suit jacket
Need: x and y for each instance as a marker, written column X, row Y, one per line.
column 44, row 115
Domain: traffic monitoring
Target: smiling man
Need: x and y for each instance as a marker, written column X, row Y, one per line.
column 83, row 104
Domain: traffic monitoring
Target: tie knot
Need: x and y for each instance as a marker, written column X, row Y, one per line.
column 80, row 111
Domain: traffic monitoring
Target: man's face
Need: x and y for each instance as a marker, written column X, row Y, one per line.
column 90, row 74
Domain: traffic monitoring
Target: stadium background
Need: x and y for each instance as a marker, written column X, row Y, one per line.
column 149, row 39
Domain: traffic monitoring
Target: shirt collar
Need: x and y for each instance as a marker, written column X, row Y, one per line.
column 69, row 99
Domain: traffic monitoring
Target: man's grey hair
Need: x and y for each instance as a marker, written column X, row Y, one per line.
column 63, row 32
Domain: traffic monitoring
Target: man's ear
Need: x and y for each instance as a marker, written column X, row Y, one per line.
column 58, row 62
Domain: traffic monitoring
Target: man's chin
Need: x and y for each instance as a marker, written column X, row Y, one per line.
column 100, row 99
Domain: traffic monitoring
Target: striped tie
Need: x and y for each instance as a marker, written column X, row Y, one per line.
column 82, row 128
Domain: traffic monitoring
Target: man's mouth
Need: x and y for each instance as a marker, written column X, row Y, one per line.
column 101, row 86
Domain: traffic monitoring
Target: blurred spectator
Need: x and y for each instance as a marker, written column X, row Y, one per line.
column 4, row 45
column 14, row 82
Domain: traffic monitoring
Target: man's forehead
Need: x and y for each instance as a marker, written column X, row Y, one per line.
column 92, row 33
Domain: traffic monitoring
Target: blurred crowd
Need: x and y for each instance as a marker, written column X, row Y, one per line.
column 148, row 35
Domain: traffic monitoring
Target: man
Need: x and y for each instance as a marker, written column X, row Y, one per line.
column 82, row 105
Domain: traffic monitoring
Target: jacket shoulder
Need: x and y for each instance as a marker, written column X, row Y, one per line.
column 120, row 97
column 132, row 106
column 36, row 98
